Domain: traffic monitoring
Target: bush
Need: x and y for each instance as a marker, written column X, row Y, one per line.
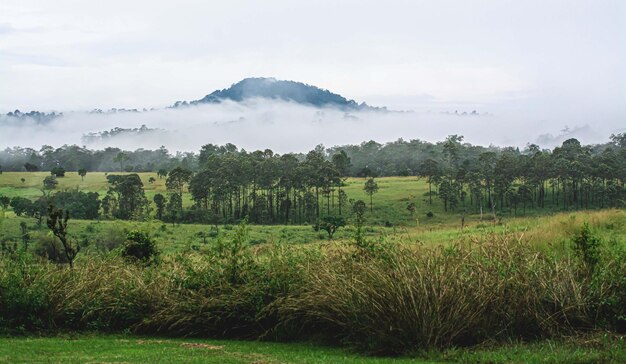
column 422, row 299
column 607, row 288
column 50, row 248
column 393, row 300
column 139, row 247
column 23, row 296
column 587, row 247
column 58, row 172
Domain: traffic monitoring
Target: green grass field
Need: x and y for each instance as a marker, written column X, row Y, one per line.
column 389, row 205
column 98, row 348
column 554, row 230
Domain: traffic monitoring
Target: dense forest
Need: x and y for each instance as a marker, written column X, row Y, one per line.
column 227, row 184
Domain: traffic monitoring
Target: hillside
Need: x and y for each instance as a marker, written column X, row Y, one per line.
column 271, row 88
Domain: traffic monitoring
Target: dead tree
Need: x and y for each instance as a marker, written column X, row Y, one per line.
column 57, row 222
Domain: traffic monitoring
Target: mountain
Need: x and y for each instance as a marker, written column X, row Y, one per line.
column 271, row 88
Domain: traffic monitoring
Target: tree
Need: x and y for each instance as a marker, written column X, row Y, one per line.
column 21, row 205
column 174, row 206
column 525, row 195
column 159, row 201
column 4, row 202
column 177, row 179
column 82, row 173
column 23, row 179
column 57, row 223
column 371, row 187
column 175, row 183
column 58, row 171
column 151, row 180
column 81, row 205
column 430, row 169
column 120, row 158
column 107, row 204
column 49, row 184
column 330, row 224
column 452, row 148
column 358, row 208
column 162, row 173
column 448, row 192
column 341, row 161
column 39, row 209
column 131, row 199
column 30, row 167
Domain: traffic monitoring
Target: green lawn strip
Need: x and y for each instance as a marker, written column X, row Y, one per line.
column 599, row 348
column 103, row 348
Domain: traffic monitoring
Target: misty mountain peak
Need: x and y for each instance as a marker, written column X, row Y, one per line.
column 291, row 91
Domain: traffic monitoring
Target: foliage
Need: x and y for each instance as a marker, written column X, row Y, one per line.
column 29, row 167
column 130, row 196
column 496, row 289
column 159, row 201
column 81, row 205
column 587, row 247
column 139, row 247
column 58, row 171
column 371, row 187
column 50, row 183
column 330, row 224
column 23, row 295
column 82, row 172
column 57, row 223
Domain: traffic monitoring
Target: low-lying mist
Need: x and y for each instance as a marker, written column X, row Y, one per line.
column 283, row 127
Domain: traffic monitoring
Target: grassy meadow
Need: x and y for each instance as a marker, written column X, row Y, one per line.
column 422, row 289
column 389, row 219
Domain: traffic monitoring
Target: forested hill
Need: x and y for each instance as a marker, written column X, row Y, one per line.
column 270, row 88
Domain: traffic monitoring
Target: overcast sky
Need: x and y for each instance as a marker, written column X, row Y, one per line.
column 553, row 62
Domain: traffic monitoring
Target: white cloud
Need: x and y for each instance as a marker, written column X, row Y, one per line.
column 561, row 61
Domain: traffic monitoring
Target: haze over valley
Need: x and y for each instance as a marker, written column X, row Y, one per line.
column 292, row 117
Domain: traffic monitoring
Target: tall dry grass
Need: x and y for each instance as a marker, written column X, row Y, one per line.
column 432, row 298
column 389, row 299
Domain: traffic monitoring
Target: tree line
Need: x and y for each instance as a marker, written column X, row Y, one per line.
column 571, row 176
column 226, row 183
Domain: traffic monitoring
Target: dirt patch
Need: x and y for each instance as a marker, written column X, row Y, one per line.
column 201, row 346
column 140, row 342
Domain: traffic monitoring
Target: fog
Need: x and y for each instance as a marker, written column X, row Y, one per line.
column 288, row 127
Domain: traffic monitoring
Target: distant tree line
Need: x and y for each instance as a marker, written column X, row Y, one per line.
column 571, row 176
column 73, row 158
column 227, row 184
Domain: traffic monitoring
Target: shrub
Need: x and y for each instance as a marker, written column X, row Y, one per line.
column 330, row 224
column 58, row 172
column 607, row 287
column 50, row 248
column 411, row 299
column 23, row 295
column 395, row 299
column 586, row 246
column 139, row 247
